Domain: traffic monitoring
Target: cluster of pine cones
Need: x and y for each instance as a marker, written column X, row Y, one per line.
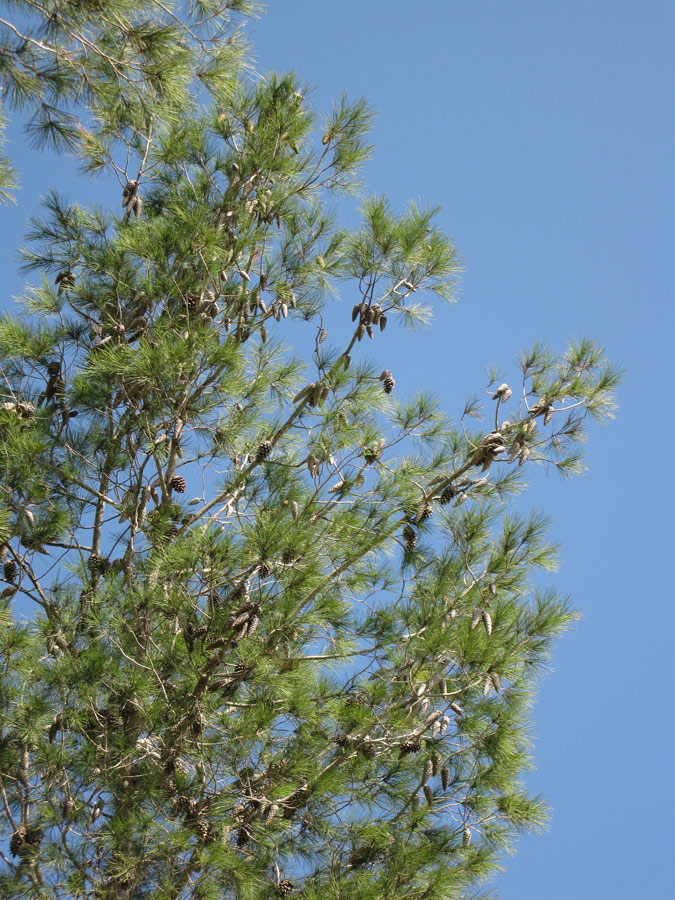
column 368, row 316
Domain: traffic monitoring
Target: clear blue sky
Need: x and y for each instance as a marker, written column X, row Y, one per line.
column 546, row 132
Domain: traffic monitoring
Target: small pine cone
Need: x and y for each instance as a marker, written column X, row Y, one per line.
column 428, row 794
column 387, row 380
column 428, row 770
column 444, row 724
column 200, row 631
column 457, row 709
column 10, row 570
column 410, row 537
column 17, row 840
column 502, row 393
column 435, row 763
column 97, row 565
column 496, row 681
column 466, row 836
column 136, row 205
column 424, row 513
column 271, row 812
column 68, row 807
column 343, row 740
column 178, row 484
column 415, row 802
column 356, row 311
column 263, row 451
column 360, row 333
column 487, row 622
column 476, row 617
column 409, row 747
column 285, row 887
column 492, row 588
column 253, row 623
column 487, row 687
column 445, row 777
column 383, row 323
column 548, row 415
column 242, row 837
column 129, row 192
column 522, row 456
column 239, row 669
column 323, row 334
column 370, row 332
column 203, row 830
column 449, row 493
column 288, row 556
column 241, row 634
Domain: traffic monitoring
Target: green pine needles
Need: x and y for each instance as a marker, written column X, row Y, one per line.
column 268, row 628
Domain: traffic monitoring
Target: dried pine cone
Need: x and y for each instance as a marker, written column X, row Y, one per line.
column 387, row 381
column 178, row 484
column 449, row 493
column 410, row 537
column 427, row 771
column 502, row 393
column 445, row 778
column 424, row 513
column 97, row 565
column 10, row 570
column 409, row 747
column 428, row 794
column 263, row 451
column 285, row 887
column 17, row 840
column 435, row 763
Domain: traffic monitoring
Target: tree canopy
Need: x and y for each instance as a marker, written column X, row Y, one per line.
column 285, row 625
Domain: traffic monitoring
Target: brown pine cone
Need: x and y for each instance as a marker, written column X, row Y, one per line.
column 178, row 484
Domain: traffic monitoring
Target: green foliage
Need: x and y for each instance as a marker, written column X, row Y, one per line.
column 286, row 625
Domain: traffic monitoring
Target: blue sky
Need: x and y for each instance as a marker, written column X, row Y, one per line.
column 545, row 130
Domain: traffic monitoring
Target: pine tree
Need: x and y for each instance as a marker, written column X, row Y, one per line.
column 276, row 605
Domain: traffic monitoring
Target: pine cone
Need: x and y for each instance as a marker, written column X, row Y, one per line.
column 17, row 840
column 178, row 484
column 487, row 622
column 435, row 763
column 97, row 565
column 445, row 778
column 427, row 771
column 263, row 451
column 387, row 380
column 410, row 537
column 129, row 192
column 271, row 812
column 407, row 747
column 428, row 794
column 285, row 887
column 449, row 493
column 68, row 807
column 466, row 836
column 424, row 513
column 457, row 709
column 548, row 415
column 502, row 393
column 10, row 570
